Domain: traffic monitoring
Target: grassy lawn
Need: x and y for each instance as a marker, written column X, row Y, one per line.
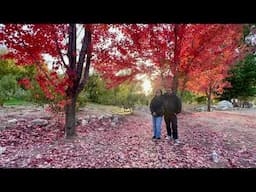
column 108, row 108
column 15, row 102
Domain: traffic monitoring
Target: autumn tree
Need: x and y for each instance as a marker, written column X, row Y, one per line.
column 71, row 48
column 119, row 55
column 28, row 44
column 171, row 51
column 198, row 43
column 209, row 83
column 219, row 56
column 119, row 52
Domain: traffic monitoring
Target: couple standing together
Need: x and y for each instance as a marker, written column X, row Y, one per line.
column 166, row 105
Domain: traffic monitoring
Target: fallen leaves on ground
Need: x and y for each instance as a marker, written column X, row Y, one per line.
column 128, row 144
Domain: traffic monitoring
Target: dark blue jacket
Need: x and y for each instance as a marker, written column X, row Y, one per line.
column 156, row 105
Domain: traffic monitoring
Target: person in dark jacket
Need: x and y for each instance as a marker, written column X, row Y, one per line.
column 156, row 108
column 172, row 106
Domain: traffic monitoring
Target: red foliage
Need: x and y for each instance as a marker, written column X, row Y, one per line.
column 163, row 50
column 212, row 65
column 28, row 43
column 121, row 51
column 25, row 82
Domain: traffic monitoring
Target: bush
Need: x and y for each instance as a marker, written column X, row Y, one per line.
column 8, row 87
column 122, row 95
column 201, row 99
column 189, row 97
column 82, row 100
column 1, row 102
column 36, row 95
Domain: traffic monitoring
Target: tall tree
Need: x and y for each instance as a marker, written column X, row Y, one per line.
column 71, row 48
column 119, row 52
column 166, row 52
column 209, row 78
column 28, row 44
column 242, row 77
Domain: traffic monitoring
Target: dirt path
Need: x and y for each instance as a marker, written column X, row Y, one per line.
column 128, row 144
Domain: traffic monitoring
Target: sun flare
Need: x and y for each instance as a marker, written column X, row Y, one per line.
column 147, row 87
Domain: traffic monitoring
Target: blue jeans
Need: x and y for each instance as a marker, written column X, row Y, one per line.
column 157, row 122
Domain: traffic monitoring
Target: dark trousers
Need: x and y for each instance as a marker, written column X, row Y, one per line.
column 171, row 118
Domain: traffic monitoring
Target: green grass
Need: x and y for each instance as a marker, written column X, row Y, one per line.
column 15, row 102
column 107, row 108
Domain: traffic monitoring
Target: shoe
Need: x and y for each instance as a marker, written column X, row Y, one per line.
column 168, row 138
column 153, row 137
column 158, row 138
column 176, row 141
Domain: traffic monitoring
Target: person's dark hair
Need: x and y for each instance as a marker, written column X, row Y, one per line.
column 160, row 91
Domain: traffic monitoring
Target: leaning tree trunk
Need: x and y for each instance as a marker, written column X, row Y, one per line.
column 70, row 118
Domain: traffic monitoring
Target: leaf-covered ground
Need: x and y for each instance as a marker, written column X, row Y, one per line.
column 128, row 144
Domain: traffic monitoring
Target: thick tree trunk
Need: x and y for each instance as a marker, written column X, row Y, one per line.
column 183, row 87
column 70, row 118
column 80, row 78
column 175, row 83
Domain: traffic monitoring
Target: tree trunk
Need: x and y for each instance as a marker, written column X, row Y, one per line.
column 209, row 99
column 183, row 86
column 175, row 83
column 182, row 93
column 208, row 103
column 70, row 118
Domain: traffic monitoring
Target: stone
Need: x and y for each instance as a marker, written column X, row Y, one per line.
column 41, row 122
column 2, row 150
column 115, row 118
column 84, row 122
column 247, row 104
column 113, row 124
column 215, row 157
column 2, row 127
column 101, row 117
column 46, row 117
column 201, row 108
column 78, row 122
column 12, row 121
column 22, row 120
column 224, row 105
